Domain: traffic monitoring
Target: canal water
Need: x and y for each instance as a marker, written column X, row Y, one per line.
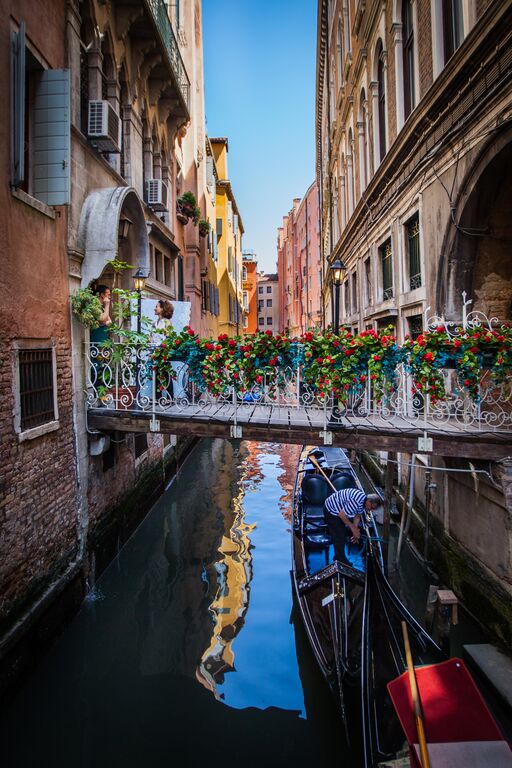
column 188, row 650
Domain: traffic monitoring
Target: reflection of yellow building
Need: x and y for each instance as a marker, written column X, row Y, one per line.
column 229, row 230
column 228, row 608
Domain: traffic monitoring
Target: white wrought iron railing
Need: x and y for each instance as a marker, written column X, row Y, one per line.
column 121, row 377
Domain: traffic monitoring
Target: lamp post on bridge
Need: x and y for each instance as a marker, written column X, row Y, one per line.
column 139, row 282
column 338, row 272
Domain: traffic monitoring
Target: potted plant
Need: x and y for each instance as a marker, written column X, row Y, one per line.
column 204, row 227
column 186, row 206
column 86, row 307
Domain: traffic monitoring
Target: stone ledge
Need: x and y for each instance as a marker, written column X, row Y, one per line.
column 33, row 202
column 495, row 666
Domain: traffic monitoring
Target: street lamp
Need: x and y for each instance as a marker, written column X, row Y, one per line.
column 338, row 271
column 139, row 281
column 124, row 227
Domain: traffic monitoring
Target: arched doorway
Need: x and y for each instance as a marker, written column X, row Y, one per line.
column 477, row 251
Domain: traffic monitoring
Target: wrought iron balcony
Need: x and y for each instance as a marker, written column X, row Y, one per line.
column 160, row 16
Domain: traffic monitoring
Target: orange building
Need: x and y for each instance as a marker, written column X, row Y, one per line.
column 249, row 285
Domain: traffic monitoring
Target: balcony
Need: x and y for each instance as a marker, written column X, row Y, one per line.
column 147, row 22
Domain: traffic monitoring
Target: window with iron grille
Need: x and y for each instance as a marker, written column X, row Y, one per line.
column 36, row 387
column 413, row 251
column 386, row 259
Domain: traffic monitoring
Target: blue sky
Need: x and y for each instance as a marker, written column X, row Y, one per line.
column 259, row 62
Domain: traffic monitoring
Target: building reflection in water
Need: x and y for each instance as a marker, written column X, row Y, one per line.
column 230, row 575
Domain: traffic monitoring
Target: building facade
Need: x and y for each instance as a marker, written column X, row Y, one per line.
column 249, row 287
column 414, row 150
column 299, row 266
column 268, row 302
column 229, row 231
column 104, row 133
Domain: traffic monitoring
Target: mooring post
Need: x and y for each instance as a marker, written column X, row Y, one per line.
column 388, row 494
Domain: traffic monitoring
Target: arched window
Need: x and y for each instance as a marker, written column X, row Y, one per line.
column 332, row 94
column 408, row 57
column 346, row 26
column 362, row 137
column 340, row 55
column 381, row 95
column 350, row 173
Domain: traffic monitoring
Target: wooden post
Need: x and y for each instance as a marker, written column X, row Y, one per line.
column 431, row 607
column 388, row 494
column 446, row 615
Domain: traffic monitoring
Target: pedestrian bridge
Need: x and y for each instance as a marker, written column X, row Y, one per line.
column 123, row 396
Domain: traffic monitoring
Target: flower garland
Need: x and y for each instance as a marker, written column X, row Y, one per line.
column 468, row 350
column 336, row 364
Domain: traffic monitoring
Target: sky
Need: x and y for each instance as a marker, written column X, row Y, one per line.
column 259, row 68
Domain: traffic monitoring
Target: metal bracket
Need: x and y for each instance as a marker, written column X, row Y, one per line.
column 425, row 444
column 154, row 425
column 326, row 437
column 235, row 431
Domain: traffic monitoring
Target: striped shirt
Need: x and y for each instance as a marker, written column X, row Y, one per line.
column 350, row 500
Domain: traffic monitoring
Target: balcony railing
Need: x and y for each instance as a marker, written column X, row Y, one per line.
column 158, row 9
column 121, row 377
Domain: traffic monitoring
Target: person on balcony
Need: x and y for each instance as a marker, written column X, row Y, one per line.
column 100, row 333
column 164, row 311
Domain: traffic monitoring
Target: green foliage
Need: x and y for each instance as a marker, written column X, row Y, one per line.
column 187, row 204
column 86, row 307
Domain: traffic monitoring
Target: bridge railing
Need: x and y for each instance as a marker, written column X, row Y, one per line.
column 121, row 377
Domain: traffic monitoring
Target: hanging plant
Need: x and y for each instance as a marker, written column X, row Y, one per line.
column 204, row 227
column 186, row 205
column 86, row 308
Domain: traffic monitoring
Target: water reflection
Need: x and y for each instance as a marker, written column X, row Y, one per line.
column 201, row 589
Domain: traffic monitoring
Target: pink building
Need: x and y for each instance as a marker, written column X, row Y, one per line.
column 299, row 266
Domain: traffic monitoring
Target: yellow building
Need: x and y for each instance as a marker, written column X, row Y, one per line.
column 228, row 231
column 210, row 304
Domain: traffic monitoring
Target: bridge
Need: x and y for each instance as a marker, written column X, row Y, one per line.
column 123, row 396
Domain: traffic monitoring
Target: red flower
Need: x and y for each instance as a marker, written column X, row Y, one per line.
column 259, row 379
column 467, row 383
column 376, row 358
column 268, row 333
column 232, row 343
column 320, row 360
column 428, row 356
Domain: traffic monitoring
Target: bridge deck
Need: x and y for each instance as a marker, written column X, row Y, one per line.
column 284, row 424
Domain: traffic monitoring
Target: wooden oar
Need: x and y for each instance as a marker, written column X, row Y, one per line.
column 416, row 701
column 317, row 465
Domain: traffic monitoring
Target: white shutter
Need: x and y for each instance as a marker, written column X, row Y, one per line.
column 210, row 178
column 52, row 137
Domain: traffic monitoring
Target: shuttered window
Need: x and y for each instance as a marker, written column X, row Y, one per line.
column 40, row 126
column 36, row 387
column 413, row 249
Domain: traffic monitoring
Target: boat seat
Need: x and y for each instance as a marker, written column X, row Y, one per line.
column 315, row 489
column 313, row 512
column 342, row 480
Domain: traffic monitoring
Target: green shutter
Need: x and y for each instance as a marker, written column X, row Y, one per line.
column 52, row 138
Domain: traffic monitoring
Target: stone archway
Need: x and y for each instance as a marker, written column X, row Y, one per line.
column 477, row 256
column 98, row 232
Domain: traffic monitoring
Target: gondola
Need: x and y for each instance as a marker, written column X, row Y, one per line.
column 351, row 614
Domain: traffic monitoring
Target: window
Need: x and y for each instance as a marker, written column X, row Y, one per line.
column 230, row 259
column 159, row 266
column 36, row 387
column 261, row 321
column 368, row 282
column 415, row 326
column 269, row 289
column 413, row 251
column 246, row 322
column 381, row 82
column 244, row 273
column 269, row 302
column 348, row 309
column 246, row 301
column 408, row 57
column 452, row 27
column 40, row 126
column 386, row 258
column 269, row 321
column 340, row 55
column 260, row 289
column 354, row 291
column 261, row 303
column 181, row 283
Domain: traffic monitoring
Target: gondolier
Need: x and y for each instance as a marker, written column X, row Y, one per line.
column 345, row 508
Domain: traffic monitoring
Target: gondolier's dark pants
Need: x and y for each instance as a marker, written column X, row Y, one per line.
column 337, row 530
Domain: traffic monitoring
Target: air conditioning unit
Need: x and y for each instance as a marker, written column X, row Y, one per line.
column 156, row 194
column 103, row 126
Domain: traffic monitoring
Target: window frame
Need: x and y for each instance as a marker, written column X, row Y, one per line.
column 386, row 268
column 52, row 424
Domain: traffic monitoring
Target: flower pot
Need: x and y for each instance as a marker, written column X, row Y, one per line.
column 203, row 232
column 181, row 217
